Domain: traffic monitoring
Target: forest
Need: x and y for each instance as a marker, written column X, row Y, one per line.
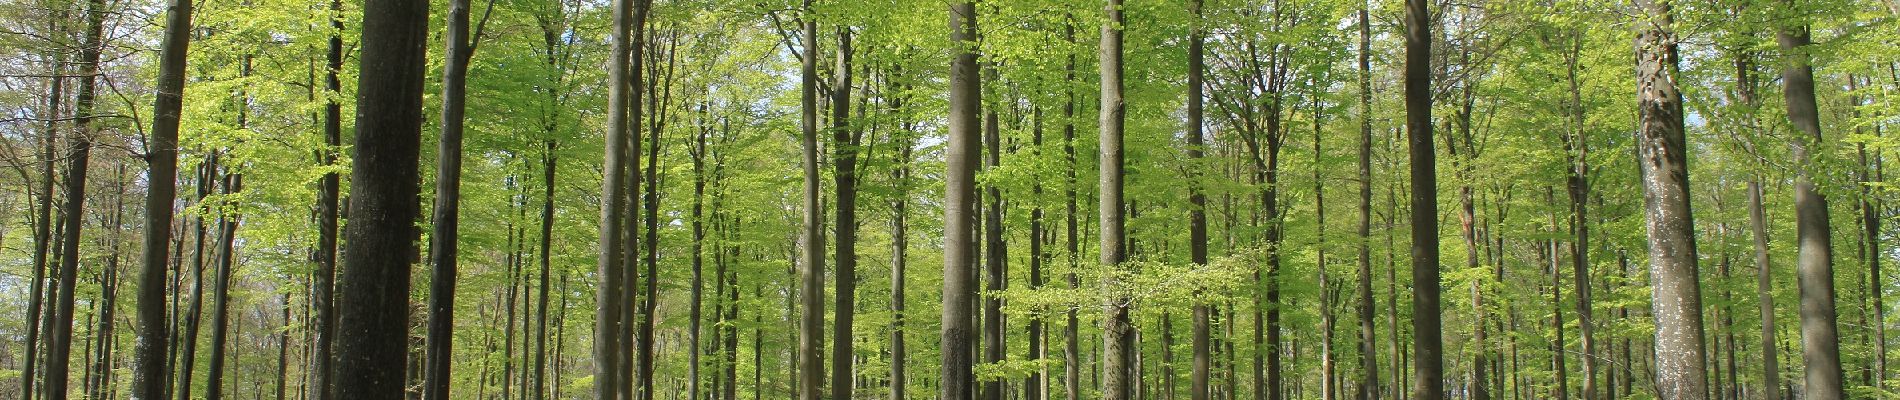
column 951, row 199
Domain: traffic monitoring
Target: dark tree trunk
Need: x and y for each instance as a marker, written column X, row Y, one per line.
column 60, row 334
column 1118, row 336
column 1820, row 336
column 1197, row 199
column 844, row 147
column 1577, row 149
column 221, row 291
column 959, row 256
column 811, row 269
column 1428, row 342
column 323, row 293
column 458, row 48
column 373, row 322
column 900, row 248
column 1676, row 295
column 1368, row 333
column 149, row 369
column 43, row 222
column 1072, row 349
column 189, row 341
column 1036, row 386
column 995, row 256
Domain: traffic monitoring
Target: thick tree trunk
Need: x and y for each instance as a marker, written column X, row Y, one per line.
column 1820, row 335
column 959, row 256
column 1428, row 363
column 60, row 334
column 609, row 343
column 373, row 324
column 1118, row 336
column 148, row 376
column 1676, row 294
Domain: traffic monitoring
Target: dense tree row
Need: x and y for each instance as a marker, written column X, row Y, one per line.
column 712, row 199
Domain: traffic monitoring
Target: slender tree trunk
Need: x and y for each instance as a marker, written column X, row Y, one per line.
column 698, row 260
column 995, row 256
column 811, row 330
column 1072, row 349
column 189, row 342
column 148, row 376
column 1820, row 337
column 1577, row 148
column 1118, row 337
column 323, row 296
column 900, row 248
column 43, row 222
column 458, row 49
column 60, row 335
column 1428, row 363
column 1676, row 294
column 221, row 291
column 844, row 147
column 374, row 319
column 1197, row 198
column 1368, row 332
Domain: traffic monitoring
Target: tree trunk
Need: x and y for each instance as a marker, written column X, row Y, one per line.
column 1072, row 349
column 900, row 247
column 811, row 270
column 1676, row 295
column 189, row 342
column 995, row 256
column 1368, row 332
column 148, row 376
column 844, row 147
column 1820, row 337
column 323, row 296
column 374, row 318
column 1428, row 341
column 1577, row 148
column 959, row 257
column 60, row 335
column 1118, row 336
column 221, row 291
column 43, row 222
column 1197, row 198
column 446, row 222
column 608, row 340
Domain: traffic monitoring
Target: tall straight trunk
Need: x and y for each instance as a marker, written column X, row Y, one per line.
column 189, row 341
column 994, row 255
column 629, row 292
column 373, row 324
column 1036, row 387
column 1368, row 332
column 844, row 148
column 43, row 220
column 959, row 256
column 1745, row 84
column 1118, row 336
column 102, row 365
column 900, row 248
column 1676, row 294
column 811, row 330
column 148, row 376
column 1071, row 347
column 608, row 340
column 1820, row 336
column 221, row 291
column 1428, row 363
column 446, row 222
column 1552, row 256
column 548, row 163
column 60, row 334
column 698, row 260
column 1197, row 199
column 1871, row 210
column 283, row 346
column 1577, row 148
column 323, row 279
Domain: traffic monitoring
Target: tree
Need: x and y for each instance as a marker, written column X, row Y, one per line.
column 811, row 270
column 374, row 314
column 78, row 156
column 959, row 236
column 608, row 322
column 1368, row 333
column 1820, row 338
column 844, row 147
column 1118, row 338
column 460, row 47
column 1428, row 342
column 1197, row 199
column 1676, row 295
column 148, row 377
